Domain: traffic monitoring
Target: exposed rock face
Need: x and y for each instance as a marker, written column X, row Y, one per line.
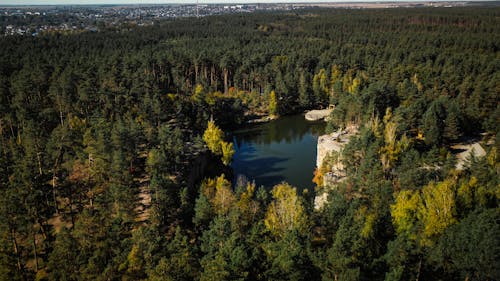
column 318, row 114
column 331, row 142
column 320, row 200
column 327, row 144
column 468, row 150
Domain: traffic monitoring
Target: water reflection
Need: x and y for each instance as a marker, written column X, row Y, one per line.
column 282, row 150
column 289, row 129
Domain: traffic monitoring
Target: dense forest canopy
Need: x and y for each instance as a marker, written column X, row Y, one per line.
column 105, row 139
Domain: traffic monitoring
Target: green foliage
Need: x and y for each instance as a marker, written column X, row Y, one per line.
column 452, row 125
column 215, row 270
column 287, row 258
column 179, row 263
column 304, row 92
column 63, row 263
column 101, row 133
column 8, row 269
column 320, row 87
column 343, row 257
column 433, row 124
column 203, row 211
column 470, row 249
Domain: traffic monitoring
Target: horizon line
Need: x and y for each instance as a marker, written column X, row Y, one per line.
column 194, row 2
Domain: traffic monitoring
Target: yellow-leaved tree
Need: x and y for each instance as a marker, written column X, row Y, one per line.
column 438, row 209
column 227, row 152
column 354, row 87
column 390, row 152
column 199, row 94
column 273, row 104
column 247, row 206
column 425, row 213
column 219, row 193
column 213, row 137
column 335, row 76
column 350, row 83
column 286, row 211
column 404, row 212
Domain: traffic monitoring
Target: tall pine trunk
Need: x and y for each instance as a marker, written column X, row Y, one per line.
column 226, row 74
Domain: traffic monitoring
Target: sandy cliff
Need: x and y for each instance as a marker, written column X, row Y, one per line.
column 327, row 144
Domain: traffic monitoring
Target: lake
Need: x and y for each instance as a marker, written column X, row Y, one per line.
column 281, row 150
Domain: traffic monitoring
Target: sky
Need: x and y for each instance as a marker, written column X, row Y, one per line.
column 83, row 2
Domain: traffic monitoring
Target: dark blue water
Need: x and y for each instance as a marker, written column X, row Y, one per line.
column 281, row 150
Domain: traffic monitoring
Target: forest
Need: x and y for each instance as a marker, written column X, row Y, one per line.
column 105, row 139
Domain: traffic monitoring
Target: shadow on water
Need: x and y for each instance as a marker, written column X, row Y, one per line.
column 263, row 170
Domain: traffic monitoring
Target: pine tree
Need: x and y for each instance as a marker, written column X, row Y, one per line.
column 433, row 124
column 452, row 128
column 304, row 98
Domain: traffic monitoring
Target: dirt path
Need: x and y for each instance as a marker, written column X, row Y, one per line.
column 143, row 203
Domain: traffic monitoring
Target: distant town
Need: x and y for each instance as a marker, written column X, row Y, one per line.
column 36, row 20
